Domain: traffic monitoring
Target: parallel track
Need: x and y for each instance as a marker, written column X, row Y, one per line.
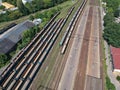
column 18, row 72
column 24, row 67
column 53, row 84
column 48, row 63
column 70, row 28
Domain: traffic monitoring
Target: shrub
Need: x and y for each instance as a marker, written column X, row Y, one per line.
column 109, row 85
column 118, row 78
column 31, row 17
column 2, row 7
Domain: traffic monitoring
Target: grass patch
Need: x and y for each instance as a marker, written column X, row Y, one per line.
column 64, row 8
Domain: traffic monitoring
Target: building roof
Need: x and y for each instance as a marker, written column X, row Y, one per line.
column 6, row 45
column 8, row 5
column 13, row 36
column 116, row 57
column 37, row 21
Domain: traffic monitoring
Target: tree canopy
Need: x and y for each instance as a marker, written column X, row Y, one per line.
column 112, row 34
column 10, row 1
column 28, row 8
column 22, row 8
column 36, row 5
column 3, row 60
column 112, row 29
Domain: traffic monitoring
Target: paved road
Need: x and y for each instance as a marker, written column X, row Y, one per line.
column 69, row 73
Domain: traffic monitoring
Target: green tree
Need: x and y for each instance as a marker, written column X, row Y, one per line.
column 39, row 4
column 110, row 86
column 47, row 3
column 2, row 7
column 31, row 17
column 118, row 78
column 22, row 8
column 15, row 15
column 112, row 34
column 108, row 18
column 29, row 7
column 3, row 59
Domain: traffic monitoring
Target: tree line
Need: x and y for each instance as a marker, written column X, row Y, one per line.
column 28, row 8
column 10, row 1
column 112, row 29
column 36, row 5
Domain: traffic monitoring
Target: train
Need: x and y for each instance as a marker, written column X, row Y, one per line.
column 21, row 71
column 20, row 55
column 65, row 34
column 66, row 37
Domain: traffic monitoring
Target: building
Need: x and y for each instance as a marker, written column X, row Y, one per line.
column 12, row 36
column 37, row 21
column 115, row 53
column 8, row 5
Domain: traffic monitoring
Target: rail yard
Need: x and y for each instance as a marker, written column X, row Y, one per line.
column 64, row 55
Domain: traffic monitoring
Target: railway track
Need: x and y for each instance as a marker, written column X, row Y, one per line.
column 89, row 60
column 83, row 59
column 59, row 74
column 17, row 73
column 19, row 66
column 59, row 65
column 28, row 67
column 54, row 82
column 48, row 63
column 24, row 67
column 70, row 28
column 93, row 67
column 24, row 51
column 52, row 39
